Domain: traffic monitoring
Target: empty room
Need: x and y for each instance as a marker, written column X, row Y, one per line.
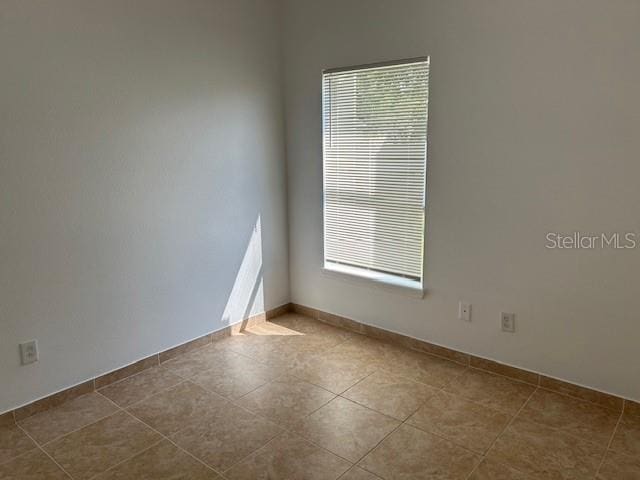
column 319, row 239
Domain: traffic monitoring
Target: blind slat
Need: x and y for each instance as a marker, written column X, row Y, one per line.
column 375, row 134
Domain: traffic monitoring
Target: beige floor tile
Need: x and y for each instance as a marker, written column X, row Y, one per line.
column 576, row 417
column 314, row 336
column 176, row 408
column 69, row 416
column 289, row 457
column 248, row 344
column 313, row 343
column 490, row 470
column 286, row 355
column 346, row 428
column 194, row 362
column 277, row 352
column 576, row 391
column 493, row 391
column 617, row 466
column 632, row 408
column 627, row 437
column 234, row 377
column 545, row 453
column 225, row 436
column 421, row 367
column 97, row 447
column 286, row 399
column 270, row 343
column 13, row 442
column 52, row 401
column 7, row 419
column 308, row 326
column 504, row 370
column 34, row 465
column 271, row 329
column 356, row 473
column 163, row 461
column 139, row 386
column 392, row 395
column 366, row 350
column 465, row 423
column 334, row 370
column 126, row 371
column 186, row 365
column 409, row 453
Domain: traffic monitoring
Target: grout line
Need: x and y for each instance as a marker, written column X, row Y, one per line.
column 378, row 443
column 163, row 437
column 285, row 429
column 403, row 422
column 124, row 407
column 539, row 376
column 128, row 458
column 489, row 372
column 495, row 440
column 515, row 415
column 39, row 447
column 59, row 437
column 184, row 380
column 599, row 405
column 561, row 430
column 437, row 390
column 133, row 375
column 358, row 467
column 341, row 394
column 443, row 389
column 536, row 388
column 23, row 454
column 176, row 445
column 573, row 397
column 288, row 429
column 254, row 452
column 389, row 340
column 285, row 308
column 608, row 448
column 290, row 308
column 118, row 410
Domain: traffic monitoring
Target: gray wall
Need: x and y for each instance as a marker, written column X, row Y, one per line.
column 140, row 143
column 143, row 194
column 534, row 119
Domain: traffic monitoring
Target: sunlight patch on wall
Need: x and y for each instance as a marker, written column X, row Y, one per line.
column 247, row 294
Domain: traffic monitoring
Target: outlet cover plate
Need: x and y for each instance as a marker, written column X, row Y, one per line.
column 29, row 352
column 508, row 322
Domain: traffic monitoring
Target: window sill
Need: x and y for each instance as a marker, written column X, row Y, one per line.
column 389, row 282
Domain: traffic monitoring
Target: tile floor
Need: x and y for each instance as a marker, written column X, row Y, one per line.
column 297, row 399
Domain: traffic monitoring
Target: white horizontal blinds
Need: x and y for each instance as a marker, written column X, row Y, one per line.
column 375, row 135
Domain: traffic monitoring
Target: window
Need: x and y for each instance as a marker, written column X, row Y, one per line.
column 374, row 145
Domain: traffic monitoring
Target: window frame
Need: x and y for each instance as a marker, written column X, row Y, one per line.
column 360, row 275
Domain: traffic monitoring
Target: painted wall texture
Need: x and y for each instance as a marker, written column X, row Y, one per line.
column 533, row 128
column 142, row 187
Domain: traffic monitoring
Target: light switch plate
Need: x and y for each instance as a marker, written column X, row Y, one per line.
column 464, row 311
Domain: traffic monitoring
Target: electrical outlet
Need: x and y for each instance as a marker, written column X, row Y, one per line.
column 29, row 352
column 508, row 322
column 464, row 311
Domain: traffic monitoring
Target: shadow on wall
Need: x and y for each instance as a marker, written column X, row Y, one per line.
column 247, row 294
